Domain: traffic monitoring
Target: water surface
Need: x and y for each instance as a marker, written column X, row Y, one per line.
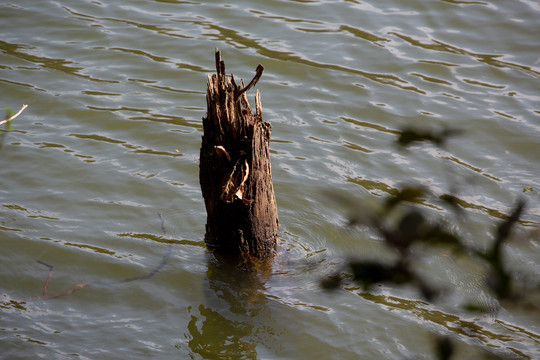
column 116, row 93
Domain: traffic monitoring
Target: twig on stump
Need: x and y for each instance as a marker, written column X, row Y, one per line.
column 235, row 172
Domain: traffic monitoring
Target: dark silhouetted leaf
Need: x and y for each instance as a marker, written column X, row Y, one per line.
column 407, row 194
column 437, row 234
column 445, row 348
column 500, row 280
column 373, row 272
column 331, row 282
column 410, row 135
column 411, row 225
column 452, row 202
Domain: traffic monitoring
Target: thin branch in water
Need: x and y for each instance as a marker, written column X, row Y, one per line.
column 14, row 116
column 49, row 277
column 154, row 271
column 78, row 287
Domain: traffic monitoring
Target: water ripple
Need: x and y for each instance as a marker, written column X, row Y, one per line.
column 117, row 93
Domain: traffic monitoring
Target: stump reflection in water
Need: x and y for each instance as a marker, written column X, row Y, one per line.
column 234, row 320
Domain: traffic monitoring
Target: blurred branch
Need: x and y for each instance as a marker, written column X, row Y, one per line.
column 501, row 281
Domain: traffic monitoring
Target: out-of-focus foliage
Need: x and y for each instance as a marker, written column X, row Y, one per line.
column 9, row 114
column 401, row 222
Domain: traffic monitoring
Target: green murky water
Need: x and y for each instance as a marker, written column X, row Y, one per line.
column 116, row 93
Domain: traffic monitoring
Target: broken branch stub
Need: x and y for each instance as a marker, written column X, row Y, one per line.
column 235, row 172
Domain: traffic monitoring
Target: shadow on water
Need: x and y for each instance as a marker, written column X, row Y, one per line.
column 234, row 319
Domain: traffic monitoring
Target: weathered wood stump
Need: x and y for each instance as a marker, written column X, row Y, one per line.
column 235, row 172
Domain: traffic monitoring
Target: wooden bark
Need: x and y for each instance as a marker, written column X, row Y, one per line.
column 235, row 172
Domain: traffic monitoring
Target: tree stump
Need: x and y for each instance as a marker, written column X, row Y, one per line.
column 235, row 172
